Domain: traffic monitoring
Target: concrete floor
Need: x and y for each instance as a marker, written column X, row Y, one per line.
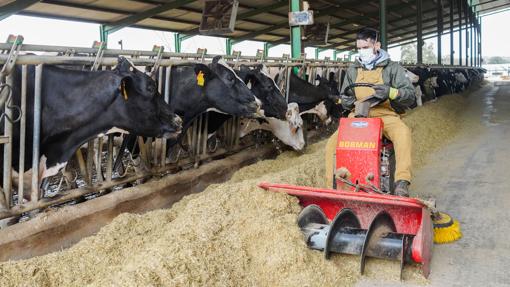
column 470, row 179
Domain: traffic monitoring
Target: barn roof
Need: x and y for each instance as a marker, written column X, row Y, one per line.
column 260, row 20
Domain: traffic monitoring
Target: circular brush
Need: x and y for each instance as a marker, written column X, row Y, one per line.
column 446, row 229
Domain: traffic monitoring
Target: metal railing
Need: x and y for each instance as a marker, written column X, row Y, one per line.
column 94, row 174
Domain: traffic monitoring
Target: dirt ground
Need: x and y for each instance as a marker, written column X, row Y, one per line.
column 233, row 234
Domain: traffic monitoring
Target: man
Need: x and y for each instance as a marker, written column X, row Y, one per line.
column 391, row 85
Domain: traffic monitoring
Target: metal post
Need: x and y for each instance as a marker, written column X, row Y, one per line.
column 472, row 39
column 383, row 24
column 7, row 174
column 452, row 51
column 466, row 17
column 480, row 42
column 459, row 2
column 440, row 30
column 419, row 42
column 267, row 46
column 335, row 54
column 228, row 46
column 317, row 51
column 177, row 42
column 37, row 132
column 22, row 133
column 295, row 32
column 103, row 34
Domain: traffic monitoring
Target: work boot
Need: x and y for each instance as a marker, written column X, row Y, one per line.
column 402, row 188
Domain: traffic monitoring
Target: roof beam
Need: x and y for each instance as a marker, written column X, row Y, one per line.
column 15, row 7
column 320, row 13
column 135, row 18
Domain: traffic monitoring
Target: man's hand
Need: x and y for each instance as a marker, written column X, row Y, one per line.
column 384, row 92
column 347, row 99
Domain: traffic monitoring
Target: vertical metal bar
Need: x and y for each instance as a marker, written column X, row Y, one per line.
column 238, row 132
column 419, row 37
column 22, row 133
column 167, row 100
column 383, row 24
column 295, row 31
column 466, row 17
column 481, row 41
column 440, row 31
column 109, row 160
column 287, row 84
column 206, row 126
column 472, row 39
column 99, row 157
column 199, row 137
column 452, row 49
column 90, row 160
column 37, row 132
column 459, row 2
column 7, row 173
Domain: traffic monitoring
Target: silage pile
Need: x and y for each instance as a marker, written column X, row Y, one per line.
column 232, row 234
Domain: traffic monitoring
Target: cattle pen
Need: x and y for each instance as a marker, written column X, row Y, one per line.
column 48, row 205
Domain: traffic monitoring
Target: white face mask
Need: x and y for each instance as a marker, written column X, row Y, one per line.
column 366, row 55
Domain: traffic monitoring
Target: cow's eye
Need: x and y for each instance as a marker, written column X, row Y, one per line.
column 151, row 88
column 230, row 78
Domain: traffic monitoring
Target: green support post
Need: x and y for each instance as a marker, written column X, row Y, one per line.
column 419, row 38
column 178, row 38
column 459, row 2
column 335, row 52
column 267, row 46
column 295, row 34
column 103, row 34
column 383, row 24
column 228, row 46
column 177, row 42
column 317, row 53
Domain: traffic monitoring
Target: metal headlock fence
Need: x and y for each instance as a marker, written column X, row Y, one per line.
column 93, row 174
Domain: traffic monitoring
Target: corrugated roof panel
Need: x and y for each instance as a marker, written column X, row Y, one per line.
column 167, row 25
column 64, row 11
column 134, row 6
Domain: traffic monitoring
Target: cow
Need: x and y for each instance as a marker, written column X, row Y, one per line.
column 197, row 88
column 77, row 106
column 312, row 98
column 279, row 118
column 282, row 119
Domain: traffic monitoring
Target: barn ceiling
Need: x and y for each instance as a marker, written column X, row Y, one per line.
column 261, row 20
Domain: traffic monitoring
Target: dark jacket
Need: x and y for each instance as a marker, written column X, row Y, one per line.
column 393, row 75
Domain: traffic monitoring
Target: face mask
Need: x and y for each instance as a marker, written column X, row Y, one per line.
column 366, row 55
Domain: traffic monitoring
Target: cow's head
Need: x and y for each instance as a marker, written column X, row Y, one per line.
column 143, row 110
column 329, row 87
column 225, row 91
column 266, row 90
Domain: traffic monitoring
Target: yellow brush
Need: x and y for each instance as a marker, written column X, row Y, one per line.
column 446, row 229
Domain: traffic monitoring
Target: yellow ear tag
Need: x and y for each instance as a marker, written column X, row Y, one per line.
column 123, row 89
column 200, row 79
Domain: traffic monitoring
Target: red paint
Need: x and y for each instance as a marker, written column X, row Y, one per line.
column 359, row 148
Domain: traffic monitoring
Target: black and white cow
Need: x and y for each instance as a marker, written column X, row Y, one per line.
column 280, row 118
column 76, row 106
column 221, row 90
column 312, row 99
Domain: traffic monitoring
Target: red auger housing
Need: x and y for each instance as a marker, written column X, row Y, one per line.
column 360, row 216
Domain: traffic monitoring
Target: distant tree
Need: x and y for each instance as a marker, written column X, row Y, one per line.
column 498, row 60
column 409, row 53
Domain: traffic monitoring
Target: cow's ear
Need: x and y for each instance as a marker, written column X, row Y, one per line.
column 216, row 59
column 124, row 65
column 203, row 73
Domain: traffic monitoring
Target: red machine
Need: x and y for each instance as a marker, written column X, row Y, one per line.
column 360, row 216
